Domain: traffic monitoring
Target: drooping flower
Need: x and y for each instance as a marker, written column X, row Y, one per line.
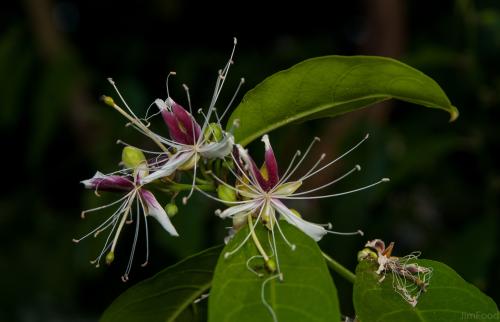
column 135, row 202
column 264, row 193
column 189, row 141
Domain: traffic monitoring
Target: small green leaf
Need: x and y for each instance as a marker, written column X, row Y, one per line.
column 307, row 292
column 169, row 295
column 448, row 298
column 329, row 86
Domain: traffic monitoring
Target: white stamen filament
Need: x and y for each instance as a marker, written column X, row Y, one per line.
column 335, row 160
column 263, row 295
column 285, row 178
column 341, row 193
column 356, row 168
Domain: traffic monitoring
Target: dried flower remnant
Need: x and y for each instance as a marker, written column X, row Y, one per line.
column 409, row 279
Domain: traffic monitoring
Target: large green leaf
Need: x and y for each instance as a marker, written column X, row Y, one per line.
column 169, row 295
column 448, row 298
column 307, row 292
column 329, row 86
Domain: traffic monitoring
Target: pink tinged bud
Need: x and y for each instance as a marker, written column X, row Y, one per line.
column 271, row 164
column 186, row 123
column 174, row 130
column 102, row 182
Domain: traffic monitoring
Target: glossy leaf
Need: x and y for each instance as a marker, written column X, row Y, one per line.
column 169, row 295
column 448, row 298
column 307, row 292
column 329, row 86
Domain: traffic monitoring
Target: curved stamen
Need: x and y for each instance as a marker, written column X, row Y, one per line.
column 356, row 168
column 284, row 179
column 335, row 160
column 242, row 81
column 339, row 194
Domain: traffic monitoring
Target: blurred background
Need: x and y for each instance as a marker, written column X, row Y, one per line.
column 55, row 57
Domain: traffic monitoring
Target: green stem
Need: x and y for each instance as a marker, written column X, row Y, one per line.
column 341, row 270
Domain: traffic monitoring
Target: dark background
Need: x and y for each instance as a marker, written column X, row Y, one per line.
column 55, row 57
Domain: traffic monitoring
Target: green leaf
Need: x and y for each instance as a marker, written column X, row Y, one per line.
column 169, row 295
column 307, row 292
column 329, row 86
column 448, row 298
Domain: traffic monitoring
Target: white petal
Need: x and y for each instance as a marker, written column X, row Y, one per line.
column 156, row 210
column 234, row 210
column 220, row 149
column 168, row 168
column 89, row 183
column 314, row 231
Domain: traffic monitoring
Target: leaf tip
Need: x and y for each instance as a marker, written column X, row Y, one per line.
column 454, row 113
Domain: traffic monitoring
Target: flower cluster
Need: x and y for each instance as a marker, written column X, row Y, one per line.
column 206, row 154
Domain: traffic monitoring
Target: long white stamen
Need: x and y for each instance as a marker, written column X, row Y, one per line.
column 284, row 179
column 254, row 183
column 242, row 81
column 241, row 179
column 105, row 206
column 223, row 201
column 103, row 226
column 356, row 168
column 166, row 83
column 146, row 232
column 292, row 246
column 335, row 160
column 263, row 295
column 341, row 193
column 122, row 222
column 111, row 81
column 107, row 244
column 358, row 232
column 275, row 249
column 220, row 83
column 193, row 122
column 297, row 154
column 121, row 142
column 193, row 183
column 251, row 269
column 226, row 184
column 134, row 244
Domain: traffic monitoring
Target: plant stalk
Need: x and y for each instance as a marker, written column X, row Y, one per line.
column 341, row 270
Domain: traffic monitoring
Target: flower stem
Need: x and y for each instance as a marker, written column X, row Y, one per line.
column 341, row 270
column 186, row 187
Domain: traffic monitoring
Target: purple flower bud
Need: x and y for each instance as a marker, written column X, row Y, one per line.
column 181, row 125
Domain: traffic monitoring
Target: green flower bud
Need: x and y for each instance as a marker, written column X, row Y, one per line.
column 171, row 209
column 271, row 265
column 366, row 254
column 132, row 157
column 213, row 133
column 110, row 257
column 189, row 164
column 226, row 193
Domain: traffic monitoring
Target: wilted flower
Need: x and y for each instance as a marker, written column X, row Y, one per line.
column 409, row 279
column 136, row 200
column 263, row 193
